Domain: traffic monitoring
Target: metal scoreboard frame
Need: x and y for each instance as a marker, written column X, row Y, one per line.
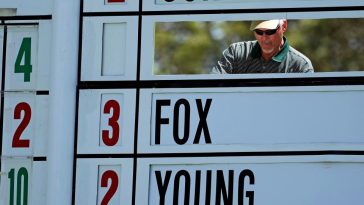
column 85, row 120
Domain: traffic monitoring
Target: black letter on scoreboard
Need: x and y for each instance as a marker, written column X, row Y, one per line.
column 162, row 187
column 221, row 187
column 186, row 132
column 177, row 180
column 202, row 125
column 249, row 194
column 159, row 120
column 197, row 187
column 208, row 187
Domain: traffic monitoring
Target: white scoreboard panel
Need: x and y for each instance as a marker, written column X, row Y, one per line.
column 25, row 61
column 152, row 139
column 143, row 138
column 108, row 37
column 106, row 117
column 251, row 119
column 250, row 180
column 175, row 5
column 210, row 139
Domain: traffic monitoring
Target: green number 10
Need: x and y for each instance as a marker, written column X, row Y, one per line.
column 21, row 176
column 24, row 51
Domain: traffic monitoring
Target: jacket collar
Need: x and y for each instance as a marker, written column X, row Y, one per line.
column 279, row 57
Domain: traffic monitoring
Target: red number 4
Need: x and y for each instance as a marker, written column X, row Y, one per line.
column 23, row 106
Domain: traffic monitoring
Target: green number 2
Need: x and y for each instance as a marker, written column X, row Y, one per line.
column 24, row 51
column 21, row 176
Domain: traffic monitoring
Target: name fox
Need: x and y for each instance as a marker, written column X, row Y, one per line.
column 180, row 106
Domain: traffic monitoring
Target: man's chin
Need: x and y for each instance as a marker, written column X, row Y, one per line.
column 267, row 51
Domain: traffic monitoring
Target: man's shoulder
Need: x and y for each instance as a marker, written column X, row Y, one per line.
column 295, row 54
column 244, row 43
column 298, row 55
column 300, row 60
column 243, row 47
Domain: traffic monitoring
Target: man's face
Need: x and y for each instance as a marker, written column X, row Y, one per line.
column 270, row 44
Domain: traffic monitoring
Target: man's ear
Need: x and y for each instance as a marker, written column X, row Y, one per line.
column 284, row 25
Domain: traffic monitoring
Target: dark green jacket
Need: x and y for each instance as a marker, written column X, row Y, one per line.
column 245, row 57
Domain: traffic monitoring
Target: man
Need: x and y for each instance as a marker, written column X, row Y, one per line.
column 270, row 53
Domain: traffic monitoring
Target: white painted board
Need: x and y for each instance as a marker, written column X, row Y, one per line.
column 21, row 58
column 32, row 189
column 36, row 7
column 40, row 54
column 41, row 117
column 109, row 48
column 162, row 5
column 44, row 56
column 106, row 121
column 25, row 124
column 16, row 181
column 110, row 5
column 247, row 119
column 39, row 185
column 259, row 181
column 104, row 180
column 19, row 124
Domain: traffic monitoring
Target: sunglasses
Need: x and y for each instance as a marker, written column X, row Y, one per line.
column 268, row 32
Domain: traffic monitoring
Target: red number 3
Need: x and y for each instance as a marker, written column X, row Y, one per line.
column 113, row 123
column 23, row 106
column 113, row 187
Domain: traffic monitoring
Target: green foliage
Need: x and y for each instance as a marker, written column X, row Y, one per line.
column 182, row 48
column 332, row 44
column 194, row 47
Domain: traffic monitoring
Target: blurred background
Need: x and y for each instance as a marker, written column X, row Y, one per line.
column 194, row 47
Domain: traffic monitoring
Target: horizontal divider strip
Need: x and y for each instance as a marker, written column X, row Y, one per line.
column 112, row 13
column 85, row 156
column 27, row 17
column 42, row 92
column 226, row 154
column 253, row 154
column 39, row 159
column 226, row 11
column 37, row 92
column 202, row 83
column 21, row 24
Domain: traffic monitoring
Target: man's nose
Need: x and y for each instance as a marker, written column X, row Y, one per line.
column 265, row 35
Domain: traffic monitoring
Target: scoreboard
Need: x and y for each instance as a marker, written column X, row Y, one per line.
column 24, row 43
column 146, row 138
